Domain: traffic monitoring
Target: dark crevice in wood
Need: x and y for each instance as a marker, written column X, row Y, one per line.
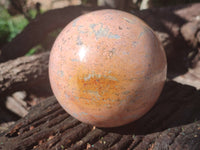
column 106, row 141
column 56, row 121
column 23, row 127
column 90, row 138
column 50, row 117
column 43, row 120
column 124, row 142
column 51, row 143
column 14, row 131
column 72, row 136
column 52, row 123
column 62, row 129
column 45, row 133
column 136, row 141
column 175, row 134
column 147, row 141
column 110, row 139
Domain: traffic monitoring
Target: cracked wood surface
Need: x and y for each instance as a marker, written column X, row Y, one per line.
column 173, row 123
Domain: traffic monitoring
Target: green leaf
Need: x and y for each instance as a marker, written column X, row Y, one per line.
column 31, row 52
column 62, row 146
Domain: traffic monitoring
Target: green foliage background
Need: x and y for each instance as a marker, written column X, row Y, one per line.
column 10, row 26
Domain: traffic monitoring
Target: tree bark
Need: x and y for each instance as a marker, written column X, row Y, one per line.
column 173, row 123
column 23, row 72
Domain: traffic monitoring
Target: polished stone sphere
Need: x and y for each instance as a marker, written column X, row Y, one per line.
column 107, row 68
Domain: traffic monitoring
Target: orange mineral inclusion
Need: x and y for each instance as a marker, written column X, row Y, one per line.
column 107, row 68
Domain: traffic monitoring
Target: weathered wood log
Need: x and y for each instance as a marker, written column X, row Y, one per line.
column 173, row 123
column 165, row 20
column 23, row 72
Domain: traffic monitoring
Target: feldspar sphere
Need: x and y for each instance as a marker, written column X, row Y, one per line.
column 107, row 68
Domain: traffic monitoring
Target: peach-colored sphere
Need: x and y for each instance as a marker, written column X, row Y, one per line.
column 107, row 68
